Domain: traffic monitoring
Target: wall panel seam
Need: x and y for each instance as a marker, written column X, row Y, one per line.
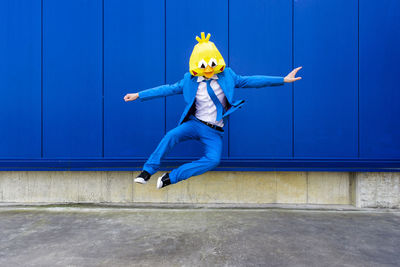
column 358, row 78
column 102, row 73
column 165, row 64
column 41, row 78
column 292, row 83
column 229, row 57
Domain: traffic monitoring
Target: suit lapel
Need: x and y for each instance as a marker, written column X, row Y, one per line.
column 194, row 85
column 222, row 82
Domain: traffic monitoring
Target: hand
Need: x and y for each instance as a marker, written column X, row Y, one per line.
column 131, row 97
column 291, row 76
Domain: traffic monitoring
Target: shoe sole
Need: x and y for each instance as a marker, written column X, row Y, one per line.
column 140, row 180
column 159, row 182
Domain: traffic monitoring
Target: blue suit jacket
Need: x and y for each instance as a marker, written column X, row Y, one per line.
column 228, row 80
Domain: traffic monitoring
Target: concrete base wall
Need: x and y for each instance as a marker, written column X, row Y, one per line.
column 377, row 190
column 360, row 189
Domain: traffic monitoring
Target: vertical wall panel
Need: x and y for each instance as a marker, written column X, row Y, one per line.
column 185, row 20
column 260, row 42
column 134, row 40
column 379, row 79
column 72, row 78
column 20, row 74
column 325, row 101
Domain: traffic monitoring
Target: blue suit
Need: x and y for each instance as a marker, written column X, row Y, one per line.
column 193, row 128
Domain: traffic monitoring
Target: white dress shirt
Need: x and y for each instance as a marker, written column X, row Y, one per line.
column 205, row 107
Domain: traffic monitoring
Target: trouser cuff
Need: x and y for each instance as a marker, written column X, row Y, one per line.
column 172, row 177
column 149, row 170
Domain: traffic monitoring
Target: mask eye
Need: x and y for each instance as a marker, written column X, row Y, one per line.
column 212, row 62
column 202, row 64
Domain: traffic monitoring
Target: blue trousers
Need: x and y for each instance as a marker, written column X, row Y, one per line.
column 210, row 138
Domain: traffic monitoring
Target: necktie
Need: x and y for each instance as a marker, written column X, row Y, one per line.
column 215, row 99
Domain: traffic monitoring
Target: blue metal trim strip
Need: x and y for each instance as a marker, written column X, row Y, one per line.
column 225, row 165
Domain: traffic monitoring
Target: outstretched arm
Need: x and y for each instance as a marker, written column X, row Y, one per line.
column 257, row 81
column 163, row 90
column 159, row 91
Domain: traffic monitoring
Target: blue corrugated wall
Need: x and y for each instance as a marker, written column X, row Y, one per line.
column 65, row 66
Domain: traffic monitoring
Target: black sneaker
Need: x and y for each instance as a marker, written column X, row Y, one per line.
column 143, row 177
column 163, row 181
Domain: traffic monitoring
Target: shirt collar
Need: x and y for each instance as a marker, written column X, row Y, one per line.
column 202, row 78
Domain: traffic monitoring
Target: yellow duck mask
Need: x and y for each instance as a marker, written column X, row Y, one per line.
column 205, row 60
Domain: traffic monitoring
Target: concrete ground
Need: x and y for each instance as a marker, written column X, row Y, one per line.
column 111, row 236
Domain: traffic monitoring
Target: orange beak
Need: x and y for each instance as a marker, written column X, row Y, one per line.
column 209, row 72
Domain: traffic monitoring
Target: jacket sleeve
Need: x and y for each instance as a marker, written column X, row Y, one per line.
column 256, row 81
column 162, row 90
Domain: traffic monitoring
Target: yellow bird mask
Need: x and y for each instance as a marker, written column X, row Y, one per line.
column 205, row 60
